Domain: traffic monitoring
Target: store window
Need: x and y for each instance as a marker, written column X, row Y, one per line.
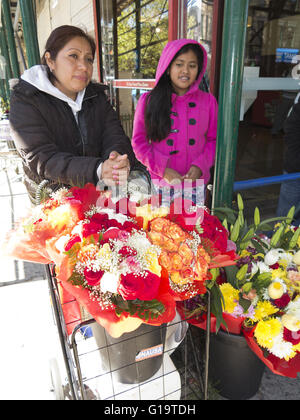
column 272, row 53
column 134, row 33
column 199, row 24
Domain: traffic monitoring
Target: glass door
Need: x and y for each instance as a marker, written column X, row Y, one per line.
column 269, row 90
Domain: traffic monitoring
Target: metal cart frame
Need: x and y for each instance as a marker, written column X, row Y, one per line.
column 76, row 387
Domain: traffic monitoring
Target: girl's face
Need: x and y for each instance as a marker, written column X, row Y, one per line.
column 183, row 72
column 73, row 66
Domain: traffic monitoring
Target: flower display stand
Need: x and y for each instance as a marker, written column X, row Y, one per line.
column 137, row 365
column 234, row 369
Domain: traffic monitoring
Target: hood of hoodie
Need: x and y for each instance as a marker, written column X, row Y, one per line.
column 37, row 76
column 169, row 52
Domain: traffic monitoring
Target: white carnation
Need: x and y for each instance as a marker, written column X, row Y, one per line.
column 281, row 348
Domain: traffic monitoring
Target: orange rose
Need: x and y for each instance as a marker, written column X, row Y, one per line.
column 156, row 238
column 165, row 260
column 169, row 245
column 176, row 261
column 176, row 233
column 177, row 278
column 201, row 266
column 160, row 224
column 186, row 254
column 188, row 273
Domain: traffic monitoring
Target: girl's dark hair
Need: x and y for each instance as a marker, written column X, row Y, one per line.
column 159, row 102
column 58, row 38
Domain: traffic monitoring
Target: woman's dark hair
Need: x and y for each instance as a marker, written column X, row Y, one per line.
column 159, row 102
column 58, row 38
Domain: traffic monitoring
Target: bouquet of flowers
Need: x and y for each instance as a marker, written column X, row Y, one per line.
column 261, row 294
column 126, row 263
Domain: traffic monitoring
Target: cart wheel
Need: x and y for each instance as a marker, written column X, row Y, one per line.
column 57, row 386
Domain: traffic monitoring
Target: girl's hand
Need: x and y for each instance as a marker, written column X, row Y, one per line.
column 194, row 173
column 172, row 177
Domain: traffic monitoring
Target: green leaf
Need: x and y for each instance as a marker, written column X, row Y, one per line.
column 245, row 303
column 235, row 231
column 290, row 215
column 256, row 216
column 293, row 242
column 76, row 279
column 262, row 281
column 225, row 224
column 216, row 306
column 247, row 238
column 241, row 274
column 247, row 287
column 241, row 218
column 277, row 235
column 231, row 275
column 240, row 202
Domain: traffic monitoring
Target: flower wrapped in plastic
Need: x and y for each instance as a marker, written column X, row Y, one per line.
column 192, row 242
column 55, row 217
column 260, row 295
column 126, row 263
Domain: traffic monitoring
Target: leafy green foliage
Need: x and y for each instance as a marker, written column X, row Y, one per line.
column 144, row 309
column 245, row 235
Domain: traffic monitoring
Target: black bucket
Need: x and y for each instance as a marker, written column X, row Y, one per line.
column 234, row 369
column 135, row 356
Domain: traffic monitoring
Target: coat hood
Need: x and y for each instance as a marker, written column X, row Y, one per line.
column 168, row 53
column 37, row 77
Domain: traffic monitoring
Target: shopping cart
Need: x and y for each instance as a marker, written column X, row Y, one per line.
column 100, row 367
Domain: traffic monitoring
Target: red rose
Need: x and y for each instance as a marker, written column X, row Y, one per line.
column 291, row 336
column 72, row 241
column 180, row 213
column 283, row 301
column 136, row 286
column 151, row 286
column 130, row 286
column 112, row 233
column 274, row 266
column 93, row 277
column 89, row 229
column 215, row 231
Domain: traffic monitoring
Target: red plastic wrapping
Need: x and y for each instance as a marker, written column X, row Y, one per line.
column 278, row 366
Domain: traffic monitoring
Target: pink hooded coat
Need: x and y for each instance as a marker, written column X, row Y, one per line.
column 192, row 140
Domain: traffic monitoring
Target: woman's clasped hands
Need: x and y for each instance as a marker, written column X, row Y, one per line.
column 115, row 169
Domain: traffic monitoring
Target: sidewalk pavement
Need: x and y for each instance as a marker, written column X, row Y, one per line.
column 29, row 337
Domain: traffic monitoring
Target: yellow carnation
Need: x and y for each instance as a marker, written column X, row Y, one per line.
column 263, row 310
column 231, row 297
column 148, row 213
column 266, row 331
column 151, row 261
column 278, row 273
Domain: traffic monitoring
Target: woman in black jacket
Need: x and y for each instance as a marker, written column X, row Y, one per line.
column 63, row 125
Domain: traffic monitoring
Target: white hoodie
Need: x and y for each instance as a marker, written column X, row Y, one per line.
column 37, row 76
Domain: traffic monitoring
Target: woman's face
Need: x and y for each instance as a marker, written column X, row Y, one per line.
column 183, row 72
column 73, row 66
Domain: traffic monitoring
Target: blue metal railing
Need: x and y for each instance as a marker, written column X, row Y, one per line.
column 260, row 182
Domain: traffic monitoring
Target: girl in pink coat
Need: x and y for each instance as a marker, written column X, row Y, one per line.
column 175, row 124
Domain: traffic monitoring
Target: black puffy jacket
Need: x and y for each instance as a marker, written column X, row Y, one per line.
column 51, row 143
